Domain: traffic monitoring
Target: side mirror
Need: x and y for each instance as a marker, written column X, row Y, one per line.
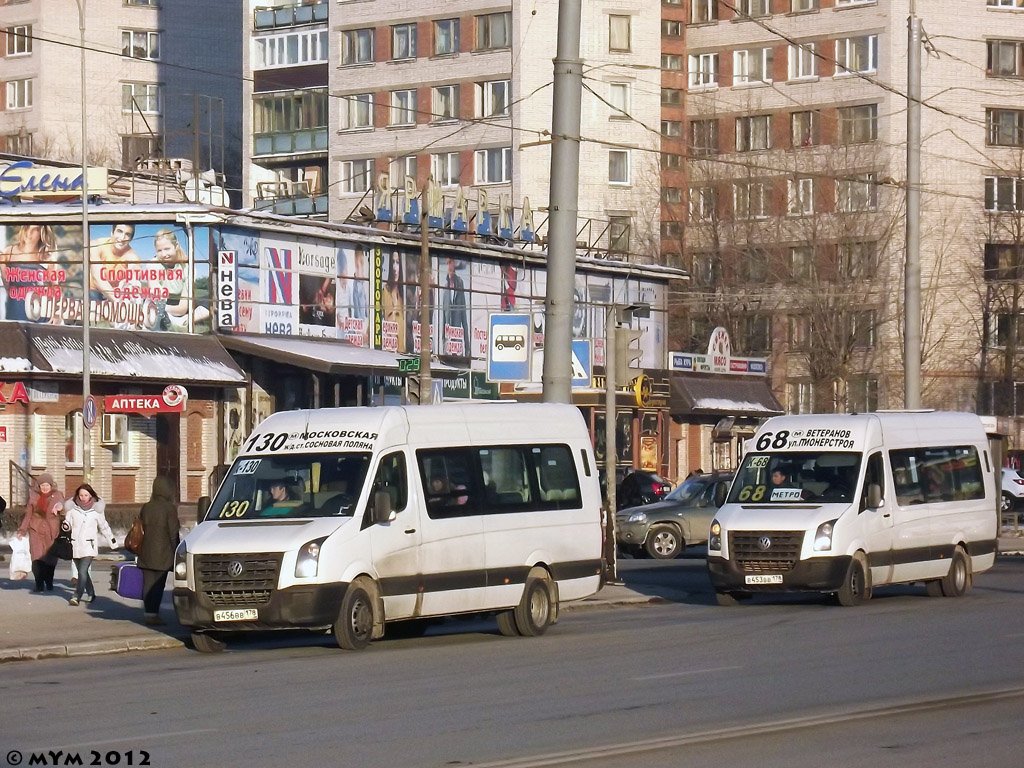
column 203, row 508
column 874, row 496
column 721, row 491
column 382, row 507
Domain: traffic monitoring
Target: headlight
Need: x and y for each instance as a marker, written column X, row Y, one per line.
column 309, row 559
column 637, row 517
column 715, row 539
column 823, row 536
column 181, row 562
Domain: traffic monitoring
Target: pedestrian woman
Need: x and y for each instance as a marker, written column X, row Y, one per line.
column 83, row 513
column 42, row 524
column 160, row 524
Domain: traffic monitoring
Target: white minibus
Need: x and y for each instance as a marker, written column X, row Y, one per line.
column 356, row 518
column 849, row 502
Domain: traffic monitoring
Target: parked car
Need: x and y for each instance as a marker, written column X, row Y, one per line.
column 1013, row 490
column 665, row 528
column 639, row 488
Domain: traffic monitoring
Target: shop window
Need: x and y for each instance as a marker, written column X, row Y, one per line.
column 37, row 440
column 73, row 437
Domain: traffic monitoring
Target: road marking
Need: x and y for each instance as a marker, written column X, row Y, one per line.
column 754, row 729
column 122, row 739
column 687, row 672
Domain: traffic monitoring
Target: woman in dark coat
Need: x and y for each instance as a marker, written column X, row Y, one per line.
column 160, row 539
column 42, row 524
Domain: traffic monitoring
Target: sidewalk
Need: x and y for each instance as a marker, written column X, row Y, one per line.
column 45, row 626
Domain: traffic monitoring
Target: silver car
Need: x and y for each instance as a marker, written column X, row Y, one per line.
column 665, row 528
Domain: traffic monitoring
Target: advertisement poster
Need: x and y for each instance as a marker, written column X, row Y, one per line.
column 353, row 294
column 454, row 287
column 141, row 277
column 246, row 246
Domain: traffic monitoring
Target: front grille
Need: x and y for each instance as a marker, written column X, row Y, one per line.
column 253, row 586
column 781, row 555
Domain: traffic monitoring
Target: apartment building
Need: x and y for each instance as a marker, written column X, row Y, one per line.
column 796, row 127
column 163, row 81
column 458, row 91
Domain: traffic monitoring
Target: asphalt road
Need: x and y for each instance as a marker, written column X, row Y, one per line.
column 905, row 680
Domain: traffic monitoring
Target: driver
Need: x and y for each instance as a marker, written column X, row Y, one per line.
column 282, row 498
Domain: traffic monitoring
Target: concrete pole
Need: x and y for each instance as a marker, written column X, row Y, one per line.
column 86, row 259
column 564, row 200
column 912, row 278
column 425, row 294
column 610, row 449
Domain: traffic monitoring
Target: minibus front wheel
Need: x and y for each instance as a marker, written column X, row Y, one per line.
column 855, row 588
column 354, row 626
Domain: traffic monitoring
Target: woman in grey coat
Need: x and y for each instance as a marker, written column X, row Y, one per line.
column 160, row 538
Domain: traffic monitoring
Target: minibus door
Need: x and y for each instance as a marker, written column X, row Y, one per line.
column 878, row 521
column 395, row 542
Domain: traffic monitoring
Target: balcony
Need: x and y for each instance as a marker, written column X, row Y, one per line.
column 291, row 15
column 289, row 198
column 290, row 143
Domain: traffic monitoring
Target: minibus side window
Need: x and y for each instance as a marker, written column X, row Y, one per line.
column 556, row 476
column 937, row 475
column 391, row 477
column 449, row 479
column 875, row 474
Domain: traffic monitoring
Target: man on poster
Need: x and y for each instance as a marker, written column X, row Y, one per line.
column 456, row 328
column 108, row 255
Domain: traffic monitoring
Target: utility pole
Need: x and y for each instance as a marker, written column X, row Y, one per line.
column 912, row 268
column 425, row 295
column 564, row 201
column 610, row 449
column 86, row 262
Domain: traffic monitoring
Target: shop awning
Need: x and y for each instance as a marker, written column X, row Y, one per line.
column 161, row 357
column 325, row 356
column 722, row 396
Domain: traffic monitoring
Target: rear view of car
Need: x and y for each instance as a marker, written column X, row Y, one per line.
column 641, row 488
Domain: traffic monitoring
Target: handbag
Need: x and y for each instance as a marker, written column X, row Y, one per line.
column 61, row 547
column 133, row 540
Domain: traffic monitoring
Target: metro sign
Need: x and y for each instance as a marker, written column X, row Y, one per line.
column 172, row 400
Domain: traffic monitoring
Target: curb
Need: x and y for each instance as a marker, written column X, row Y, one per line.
column 90, row 648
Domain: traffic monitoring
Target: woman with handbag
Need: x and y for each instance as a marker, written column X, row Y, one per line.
column 42, row 524
column 160, row 523
column 84, row 514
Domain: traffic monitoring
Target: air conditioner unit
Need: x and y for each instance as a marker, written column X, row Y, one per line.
column 113, row 428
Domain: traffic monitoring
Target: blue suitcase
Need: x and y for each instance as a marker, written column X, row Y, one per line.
column 126, row 580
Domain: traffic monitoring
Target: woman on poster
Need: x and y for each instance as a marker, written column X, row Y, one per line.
column 33, row 249
column 392, row 301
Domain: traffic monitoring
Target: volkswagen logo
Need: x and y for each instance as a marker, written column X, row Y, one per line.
column 764, row 543
column 235, row 568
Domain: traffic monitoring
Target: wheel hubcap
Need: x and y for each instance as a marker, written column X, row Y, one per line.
column 361, row 619
column 539, row 606
column 664, row 543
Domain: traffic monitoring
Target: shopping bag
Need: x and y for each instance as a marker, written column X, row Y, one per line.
column 21, row 559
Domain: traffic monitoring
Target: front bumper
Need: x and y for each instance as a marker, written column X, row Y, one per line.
column 313, row 605
column 631, row 534
column 817, row 574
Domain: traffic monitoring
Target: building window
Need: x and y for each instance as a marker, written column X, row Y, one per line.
column 753, row 133
column 403, row 42
column 493, row 30
column 703, row 137
column 290, row 49
column 672, row 61
column 671, row 229
column 1005, row 58
column 703, row 10
column 756, row 331
column 1005, row 127
column 798, row 331
column 446, row 37
column 136, row 44
column 860, row 194
column 803, row 61
column 671, row 28
column 357, row 46
column 619, row 37
column 803, row 129
column 671, row 129
column 144, row 97
column 618, row 98
column 19, row 94
column 493, row 98
column 356, row 111
column 356, row 176
column 858, row 125
column 856, row 261
column 854, row 2
column 618, row 166
column 800, row 396
column 801, row 262
column 73, row 437
column 493, row 166
column 19, row 40
column 799, row 6
column 618, row 234
column 862, row 395
column 703, row 203
column 1004, row 261
column 800, row 193
column 150, row 3
column 671, row 195
column 1007, row 326
column 671, row 161
column 753, row 65
column 403, row 107
column 703, row 69
column 1004, row 193
column 19, row 143
column 754, row 8
column 671, row 97
column 445, row 101
column 114, row 436
column 292, row 111
column 750, row 200
column 444, row 167
column 862, row 328
column 137, row 149
column 857, row 54
column 402, row 168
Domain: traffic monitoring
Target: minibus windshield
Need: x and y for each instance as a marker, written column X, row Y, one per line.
column 779, row 478
column 291, row 485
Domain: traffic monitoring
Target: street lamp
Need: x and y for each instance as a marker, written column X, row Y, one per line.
column 86, row 260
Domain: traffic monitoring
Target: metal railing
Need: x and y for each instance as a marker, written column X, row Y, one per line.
column 291, row 15
column 20, row 482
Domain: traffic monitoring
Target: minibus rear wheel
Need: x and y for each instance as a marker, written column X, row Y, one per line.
column 958, row 580
column 536, row 610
